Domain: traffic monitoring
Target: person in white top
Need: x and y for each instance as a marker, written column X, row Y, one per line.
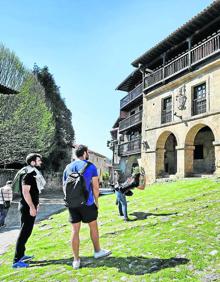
column 5, row 201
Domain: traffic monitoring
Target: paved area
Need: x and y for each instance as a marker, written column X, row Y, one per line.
column 50, row 203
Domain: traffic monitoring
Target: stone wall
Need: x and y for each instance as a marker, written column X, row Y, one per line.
column 53, row 179
column 184, row 125
column 6, row 174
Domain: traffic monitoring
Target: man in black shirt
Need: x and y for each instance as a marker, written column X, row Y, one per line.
column 28, row 207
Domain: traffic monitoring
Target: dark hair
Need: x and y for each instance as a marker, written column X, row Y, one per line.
column 32, row 157
column 81, row 150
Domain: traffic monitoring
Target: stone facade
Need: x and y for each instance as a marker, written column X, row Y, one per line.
column 178, row 83
column 188, row 130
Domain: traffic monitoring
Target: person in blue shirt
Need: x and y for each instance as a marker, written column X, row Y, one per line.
column 87, row 213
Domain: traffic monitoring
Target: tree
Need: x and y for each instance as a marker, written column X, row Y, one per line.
column 12, row 71
column 64, row 132
column 26, row 123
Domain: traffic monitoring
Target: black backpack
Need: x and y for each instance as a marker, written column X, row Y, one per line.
column 75, row 192
column 17, row 181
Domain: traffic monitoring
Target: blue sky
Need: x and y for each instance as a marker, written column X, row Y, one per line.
column 88, row 46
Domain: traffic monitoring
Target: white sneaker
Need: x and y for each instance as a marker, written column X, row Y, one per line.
column 76, row 264
column 102, row 253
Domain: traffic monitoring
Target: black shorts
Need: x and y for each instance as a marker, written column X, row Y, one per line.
column 85, row 214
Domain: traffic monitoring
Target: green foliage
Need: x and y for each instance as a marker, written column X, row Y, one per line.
column 12, row 71
column 26, row 123
column 173, row 236
column 64, row 132
column 36, row 119
column 105, row 176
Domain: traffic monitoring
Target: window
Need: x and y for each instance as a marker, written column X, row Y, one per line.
column 166, row 114
column 198, row 152
column 199, row 99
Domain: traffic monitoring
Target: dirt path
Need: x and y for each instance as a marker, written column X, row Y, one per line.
column 49, row 204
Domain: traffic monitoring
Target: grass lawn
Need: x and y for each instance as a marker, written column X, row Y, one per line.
column 174, row 235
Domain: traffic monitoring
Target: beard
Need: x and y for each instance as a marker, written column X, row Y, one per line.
column 87, row 157
column 39, row 167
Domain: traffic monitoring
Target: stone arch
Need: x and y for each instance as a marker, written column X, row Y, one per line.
column 166, row 156
column 199, row 149
column 126, row 166
column 132, row 161
column 190, row 136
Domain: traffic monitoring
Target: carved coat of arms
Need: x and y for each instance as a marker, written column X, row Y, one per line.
column 181, row 98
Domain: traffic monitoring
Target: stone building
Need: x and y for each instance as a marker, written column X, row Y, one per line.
column 181, row 100
column 126, row 132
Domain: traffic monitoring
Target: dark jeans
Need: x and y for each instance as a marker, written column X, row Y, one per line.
column 27, row 224
column 122, row 204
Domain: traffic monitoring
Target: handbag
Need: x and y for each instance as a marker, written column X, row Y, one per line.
column 6, row 204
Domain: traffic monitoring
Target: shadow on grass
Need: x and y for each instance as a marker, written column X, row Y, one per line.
column 144, row 215
column 129, row 265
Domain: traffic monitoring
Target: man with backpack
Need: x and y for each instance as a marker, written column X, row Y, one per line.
column 31, row 183
column 81, row 191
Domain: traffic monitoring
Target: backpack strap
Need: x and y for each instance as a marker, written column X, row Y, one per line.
column 3, row 199
column 84, row 168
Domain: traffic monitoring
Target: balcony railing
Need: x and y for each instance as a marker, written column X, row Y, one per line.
column 197, row 54
column 132, row 95
column 129, row 148
column 130, row 121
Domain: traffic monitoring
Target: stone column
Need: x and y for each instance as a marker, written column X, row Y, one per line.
column 160, row 161
column 188, row 162
column 148, row 161
column 180, row 161
column 216, row 145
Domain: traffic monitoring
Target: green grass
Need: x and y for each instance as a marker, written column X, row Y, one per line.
column 175, row 237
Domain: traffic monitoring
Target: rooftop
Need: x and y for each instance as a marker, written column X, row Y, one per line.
column 207, row 17
column 128, row 83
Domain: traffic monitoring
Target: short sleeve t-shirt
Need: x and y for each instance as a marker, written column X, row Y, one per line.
column 29, row 179
column 90, row 172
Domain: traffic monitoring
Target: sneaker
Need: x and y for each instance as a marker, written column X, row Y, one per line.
column 19, row 264
column 126, row 219
column 76, row 264
column 102, row 253
column 26, row 258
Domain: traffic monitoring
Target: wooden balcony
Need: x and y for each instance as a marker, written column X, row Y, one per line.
column 198, row 53
column 130, row 121
column 132, row 95
column 130, row 148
